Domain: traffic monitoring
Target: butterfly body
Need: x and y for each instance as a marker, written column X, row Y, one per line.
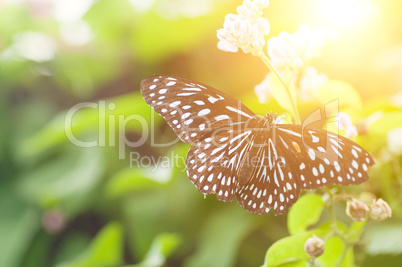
column 236, row 154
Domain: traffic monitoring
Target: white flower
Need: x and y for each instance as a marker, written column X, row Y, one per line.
column 251, row 10
column 31, row 45
column 380, row 210
column 311, row 82
column 76, row 33
column 351, row 131
column 343, row 120
column 394, row 141
column 70, row 10
column 308, row 42
column 345, row 123
column 295, row 49
column 246, row 30
column 282, row 53
column 357, row 210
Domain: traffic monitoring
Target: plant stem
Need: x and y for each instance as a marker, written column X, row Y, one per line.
column 332, row 212
column 271, row 67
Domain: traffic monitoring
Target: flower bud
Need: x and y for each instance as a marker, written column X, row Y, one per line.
column 357, row 210
column 351, row 131
column 263, row 26
column 54, row 221
column 262, row 3
column 380, row 210
column 314, row 246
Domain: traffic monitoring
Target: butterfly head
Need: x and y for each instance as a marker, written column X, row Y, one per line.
column 271, row 118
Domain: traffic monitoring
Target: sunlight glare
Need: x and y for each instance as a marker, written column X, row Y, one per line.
column 343, row 13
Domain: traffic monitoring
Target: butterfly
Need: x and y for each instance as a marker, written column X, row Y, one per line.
column 236, row 153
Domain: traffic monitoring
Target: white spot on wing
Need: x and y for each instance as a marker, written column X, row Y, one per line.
column 185, row 94
column 290, row 132
column 238, row 111
column 187, row 122
column 221, row 117
column 204, row 112
column 199, row 102
column 213, row 99
column 175, row 104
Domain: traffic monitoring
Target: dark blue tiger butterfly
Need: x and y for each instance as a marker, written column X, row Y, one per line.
column 235, row 153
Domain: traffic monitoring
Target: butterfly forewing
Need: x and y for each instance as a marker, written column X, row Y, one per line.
column 234, row 153
column 193, row 110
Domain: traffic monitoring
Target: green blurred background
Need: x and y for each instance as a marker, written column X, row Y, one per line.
column 65, row 205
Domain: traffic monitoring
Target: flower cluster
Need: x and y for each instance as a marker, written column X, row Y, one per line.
column 357, row 210
column 245, row 30
column 293, row 50
column 311, row 82
column 309, row 85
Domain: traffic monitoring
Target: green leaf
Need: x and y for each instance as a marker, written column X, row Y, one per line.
column 333, row 249
column 356, row 230
column 290, row 249
column 379, row 103
column 220, row 239
column 18, row 226
column 39, row 250
column 349, row 259
column 336, row 253
column 132, row 179
column 385, row 123
column 94, row 124
column 72, row 246
column 65, row 183
column 384, row 238
column 305, row 212
column 328, row 227
column 105, row 250
column 153, row 40
column 178, row 155
column 346, row 95
column 299, row 263
column 162, row 247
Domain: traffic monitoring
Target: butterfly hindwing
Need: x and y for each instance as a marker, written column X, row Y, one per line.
column 213, row 163
column 272, row 184
column 322, row 158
